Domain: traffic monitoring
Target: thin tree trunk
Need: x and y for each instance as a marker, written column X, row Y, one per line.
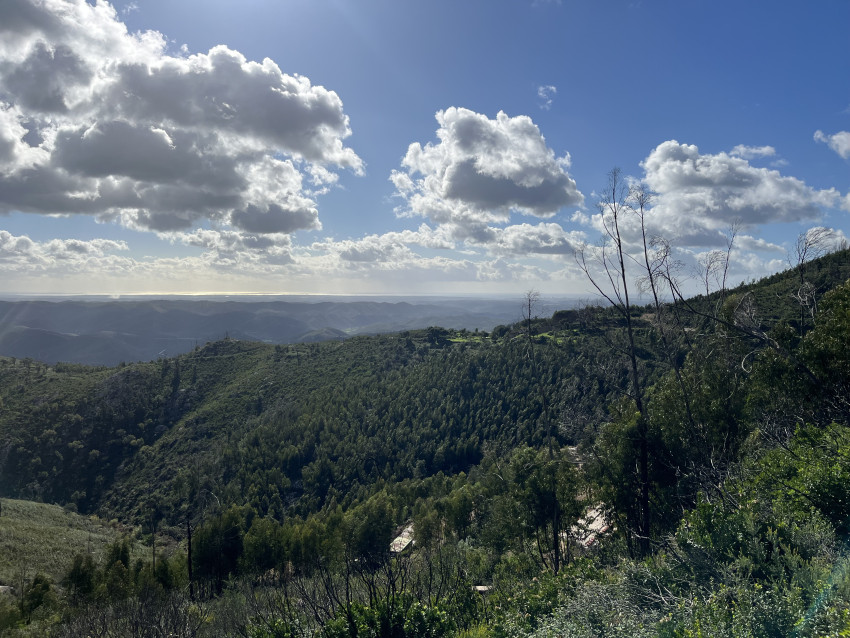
column 189, row 558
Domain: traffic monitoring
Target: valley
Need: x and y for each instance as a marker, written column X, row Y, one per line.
column 256, row 488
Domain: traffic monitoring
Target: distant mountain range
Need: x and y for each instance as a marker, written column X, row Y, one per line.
column 100, row 332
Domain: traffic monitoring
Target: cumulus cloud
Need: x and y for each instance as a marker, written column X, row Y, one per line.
column 541, row 239
column 20, row 254
column 504, row 269
column 838, row 142
column 239, row 252
column 699, row 195
column 750, row 243
column 389, row 247
column 95, row 120
column 699, row 201
column 480, row 172
column 748, row 266
column 398, row 257
column 390, row 260
column 371, row 249
column 225, row 256
column 229, row 241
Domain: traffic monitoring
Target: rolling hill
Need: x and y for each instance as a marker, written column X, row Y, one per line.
column 110, row 332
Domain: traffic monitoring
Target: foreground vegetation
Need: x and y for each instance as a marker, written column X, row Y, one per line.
column 38, row 538
column 266, row 483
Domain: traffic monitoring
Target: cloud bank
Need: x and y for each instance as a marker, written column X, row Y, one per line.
column 19, row 253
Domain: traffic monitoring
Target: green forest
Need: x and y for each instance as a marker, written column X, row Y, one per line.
column 678, row 468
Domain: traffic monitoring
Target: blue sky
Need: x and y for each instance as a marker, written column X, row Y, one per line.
column 376, row 146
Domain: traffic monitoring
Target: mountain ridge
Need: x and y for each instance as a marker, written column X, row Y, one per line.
column 111, row 332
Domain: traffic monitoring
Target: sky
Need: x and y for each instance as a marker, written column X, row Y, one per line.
column 410, row 147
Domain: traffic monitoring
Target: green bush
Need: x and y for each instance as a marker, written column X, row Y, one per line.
column 382, row 621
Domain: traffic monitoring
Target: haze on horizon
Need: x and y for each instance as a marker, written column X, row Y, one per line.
column 384, row 148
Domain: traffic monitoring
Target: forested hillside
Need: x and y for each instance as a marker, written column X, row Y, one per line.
column 329, row 419
column 268, row 481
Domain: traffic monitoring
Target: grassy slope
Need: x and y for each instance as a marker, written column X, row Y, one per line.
column 36, row 537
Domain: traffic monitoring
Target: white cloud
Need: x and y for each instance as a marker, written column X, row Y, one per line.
column 839, row 142
column 394, row 255
column 372, row 249
column 699, row 195
column 546, row 94
column 540, row 239
column 751, row 152
column 228, row 256
column 481, row 172
column 230, row 244
column 20, row 254
column 698, row 198
column 390, row 260
column 392, row 247
column 95, row 120
column 508, row 270
column 750, row 243
column 749, row 266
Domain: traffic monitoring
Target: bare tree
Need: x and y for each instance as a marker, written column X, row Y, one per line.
column 529, row 310
column 810, row 245
column 707, row 268
column 712, row 269
column 657, row 262
column 741, row 319
column 612, row 282
column 529, row 313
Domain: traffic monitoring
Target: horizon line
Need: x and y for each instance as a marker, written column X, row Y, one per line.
column 117, row 296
